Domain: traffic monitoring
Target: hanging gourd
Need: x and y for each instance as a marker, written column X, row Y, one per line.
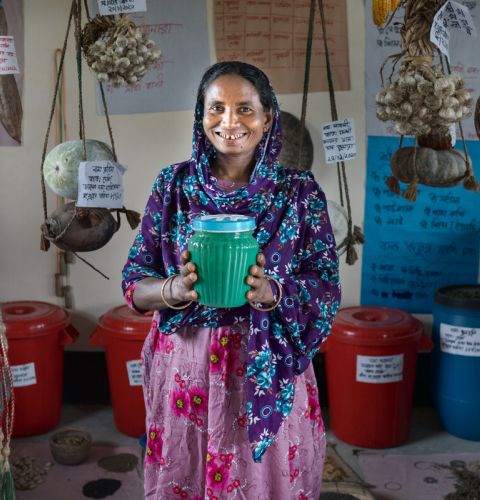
column 69, row 227
column 60, row 167
column 291, row 135
column 425, row 101
column 117, row 50
column 79, row 230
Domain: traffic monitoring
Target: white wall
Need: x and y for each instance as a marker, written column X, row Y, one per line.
column 145, row 143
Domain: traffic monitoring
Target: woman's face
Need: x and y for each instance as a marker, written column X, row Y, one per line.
column 234, row 119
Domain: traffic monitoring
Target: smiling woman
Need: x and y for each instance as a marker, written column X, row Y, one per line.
column 230, row 393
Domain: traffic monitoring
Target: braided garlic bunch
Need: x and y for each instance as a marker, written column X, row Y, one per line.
column 117, row 50
column 423, row 100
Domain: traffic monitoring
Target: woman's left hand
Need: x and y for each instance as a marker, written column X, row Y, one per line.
column 260, row 291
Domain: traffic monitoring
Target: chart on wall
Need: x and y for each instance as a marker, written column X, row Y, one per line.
column 273, row 36
column 180, row 30
column 412, row 248
column 11, row 72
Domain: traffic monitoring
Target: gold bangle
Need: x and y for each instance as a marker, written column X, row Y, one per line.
column 280, row 294
column 162, row 294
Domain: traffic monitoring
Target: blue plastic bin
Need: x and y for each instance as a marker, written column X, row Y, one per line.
column 456, row 359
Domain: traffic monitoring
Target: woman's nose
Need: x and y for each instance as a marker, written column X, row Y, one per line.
column 230, row 118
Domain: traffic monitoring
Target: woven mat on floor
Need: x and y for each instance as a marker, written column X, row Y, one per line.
column 422, row 477
column 66, row 482
column 340, row 481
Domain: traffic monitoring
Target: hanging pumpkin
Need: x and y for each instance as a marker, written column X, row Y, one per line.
column 60, row 168
column 79, row 230
column 436, row 168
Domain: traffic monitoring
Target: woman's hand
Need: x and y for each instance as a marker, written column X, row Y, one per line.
column 182, row 285
column 260, row 291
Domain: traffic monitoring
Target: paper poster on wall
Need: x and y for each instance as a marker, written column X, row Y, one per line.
column 411, row 249
column 273, row 36
column 11, row 77
column 180, row 30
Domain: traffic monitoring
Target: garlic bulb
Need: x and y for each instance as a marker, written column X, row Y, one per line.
column 117, row 50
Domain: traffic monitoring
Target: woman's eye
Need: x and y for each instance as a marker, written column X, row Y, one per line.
column 216, row 109
column 245, row 109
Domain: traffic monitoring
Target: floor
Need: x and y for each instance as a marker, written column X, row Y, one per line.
column 427, row 435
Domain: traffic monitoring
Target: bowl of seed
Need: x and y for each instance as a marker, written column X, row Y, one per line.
column 70, row 446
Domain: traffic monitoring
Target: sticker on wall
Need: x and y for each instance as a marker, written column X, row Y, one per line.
column 134, row 369
column 24, row 375
column 461, row 340
column 379, row 369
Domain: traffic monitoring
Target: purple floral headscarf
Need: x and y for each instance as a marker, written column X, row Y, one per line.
column 294, row 234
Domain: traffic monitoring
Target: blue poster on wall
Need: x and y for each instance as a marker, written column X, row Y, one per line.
column 413, row 248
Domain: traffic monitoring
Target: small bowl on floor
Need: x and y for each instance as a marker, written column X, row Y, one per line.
column 70, row 446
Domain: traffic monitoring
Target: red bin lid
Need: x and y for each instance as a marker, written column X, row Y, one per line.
column 375, row 325
column 29, row 318
column 124, row 322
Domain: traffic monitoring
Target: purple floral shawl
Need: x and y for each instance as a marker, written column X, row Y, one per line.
column 294, row 233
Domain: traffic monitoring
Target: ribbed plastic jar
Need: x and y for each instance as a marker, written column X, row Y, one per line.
column 223, row 249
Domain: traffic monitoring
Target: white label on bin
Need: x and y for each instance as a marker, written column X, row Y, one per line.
column 462, row 340
column 24, row 375
column 134, row 369
column 380, row 369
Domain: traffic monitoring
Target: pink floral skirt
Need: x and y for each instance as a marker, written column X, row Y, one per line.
column 197, row 443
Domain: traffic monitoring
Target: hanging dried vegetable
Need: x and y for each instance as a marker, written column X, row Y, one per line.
column 425, row 101
column 11, row 111
column 117, row 50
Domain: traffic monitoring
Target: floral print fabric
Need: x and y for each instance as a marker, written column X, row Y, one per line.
column 197, row 442
column 294, row 233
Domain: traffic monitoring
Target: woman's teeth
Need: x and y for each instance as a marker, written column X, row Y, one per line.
column 230, row 137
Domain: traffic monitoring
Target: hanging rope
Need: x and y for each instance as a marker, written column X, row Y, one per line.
column 7, row 487
column 354, row 234
column 306, row 80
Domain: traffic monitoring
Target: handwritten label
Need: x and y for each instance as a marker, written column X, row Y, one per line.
column 134, row 369
column 8, row 56
column 379, row 369
column 111, row 7
column 451, row 15
column 24, row 375
column 339, row 140
column 461, row 340
column 100, row 184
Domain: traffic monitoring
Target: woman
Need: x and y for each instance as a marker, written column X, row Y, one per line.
column 231, row 398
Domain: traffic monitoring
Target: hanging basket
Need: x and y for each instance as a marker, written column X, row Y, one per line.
column 79, row 230
column 339, row 220
column 291, row 133
column 476, row 119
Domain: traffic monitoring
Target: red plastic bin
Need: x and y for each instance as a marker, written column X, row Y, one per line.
column 36, row 332
column 370, row 359
column 122, row 332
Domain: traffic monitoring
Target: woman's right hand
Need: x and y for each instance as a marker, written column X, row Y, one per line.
column 182, row 285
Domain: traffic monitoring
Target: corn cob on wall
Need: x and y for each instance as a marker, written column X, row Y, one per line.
column 10, row 103
column 381, row 9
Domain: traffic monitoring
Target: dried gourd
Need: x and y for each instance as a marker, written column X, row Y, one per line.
column 431, row 167
column 477, row 117
column 79, row 230
column 117, row 50
column 11, row 111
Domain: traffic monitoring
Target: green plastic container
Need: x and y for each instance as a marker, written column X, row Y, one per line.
column 223, row 249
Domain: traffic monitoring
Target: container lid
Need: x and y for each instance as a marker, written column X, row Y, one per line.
column 459, row 296
column 31, row 318
column 373, row 325
column 224, row 223
column 124, row 322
